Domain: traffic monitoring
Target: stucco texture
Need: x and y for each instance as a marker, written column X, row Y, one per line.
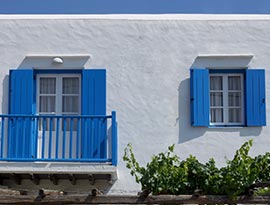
column 147, row 59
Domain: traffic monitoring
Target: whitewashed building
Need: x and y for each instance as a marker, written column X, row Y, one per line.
column 75, row 89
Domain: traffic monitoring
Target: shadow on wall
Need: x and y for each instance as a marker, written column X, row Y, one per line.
column 186, row 131
column 47, row 61
column 5, row 91
column 226, row 61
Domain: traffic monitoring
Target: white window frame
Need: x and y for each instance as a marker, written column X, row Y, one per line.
column 225, row 106
column 59, row 94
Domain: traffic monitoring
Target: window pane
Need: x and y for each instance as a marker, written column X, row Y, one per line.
column 234, row 83
column 235, row 115
column 234, row 99
column 216, row 83
column 71, row 85
column 47, row 104
column 70, row 104
column 216, row 99
column 47, row 86
column 216, row 115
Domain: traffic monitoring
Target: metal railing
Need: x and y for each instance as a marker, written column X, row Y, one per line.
column 58, row 138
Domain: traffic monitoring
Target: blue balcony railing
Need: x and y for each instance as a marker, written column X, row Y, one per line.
column 58, row 138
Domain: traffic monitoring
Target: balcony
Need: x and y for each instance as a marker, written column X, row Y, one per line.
column 66, row 144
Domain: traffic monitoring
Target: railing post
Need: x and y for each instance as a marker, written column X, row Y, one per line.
column 114, row 139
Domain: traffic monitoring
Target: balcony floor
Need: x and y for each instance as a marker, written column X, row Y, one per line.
column 56, row 170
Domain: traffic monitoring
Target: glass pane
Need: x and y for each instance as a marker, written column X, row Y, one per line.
column 47, row 104
column 70, row 104
column 216, row 83
column 71, row 85
column 234, row 99
column 216, row 99
column 47, row 86
column 216, row 115
column 235, row 115
column 234, row 83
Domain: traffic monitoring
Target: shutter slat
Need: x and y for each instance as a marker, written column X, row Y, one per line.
column 94, row 103
column 199, row 96
column 255, row 97
column 21, row 99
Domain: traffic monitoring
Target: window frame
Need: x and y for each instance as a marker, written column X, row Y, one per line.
column 254, row 100
column 225, row 93
column 58, row 100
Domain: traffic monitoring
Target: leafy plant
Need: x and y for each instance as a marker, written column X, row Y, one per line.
column 167, row 174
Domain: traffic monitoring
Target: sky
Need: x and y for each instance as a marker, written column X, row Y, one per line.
column 134, row 6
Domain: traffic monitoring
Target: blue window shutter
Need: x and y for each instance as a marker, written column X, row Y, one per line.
column 21, row 140
column 94, row 103
column 199, row 97
column 21, row 92
column 94, row 92
column 255, row 97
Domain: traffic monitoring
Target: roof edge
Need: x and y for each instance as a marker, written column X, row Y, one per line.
column 138, row 16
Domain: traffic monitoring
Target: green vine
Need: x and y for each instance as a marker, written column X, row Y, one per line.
column 167, row 174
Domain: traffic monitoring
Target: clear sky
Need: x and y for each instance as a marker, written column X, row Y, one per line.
column 134, row 6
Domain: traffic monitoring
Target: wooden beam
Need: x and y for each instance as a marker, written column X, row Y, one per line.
column 13, row 192
column 53, row 178
column 16, row 178
column 92, row 179
column 35, row 179
column 72, row 179
column 129, row 199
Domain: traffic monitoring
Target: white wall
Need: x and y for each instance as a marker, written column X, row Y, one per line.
column 148, row 60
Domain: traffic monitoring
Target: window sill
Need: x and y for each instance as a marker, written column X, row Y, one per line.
column 227, row 127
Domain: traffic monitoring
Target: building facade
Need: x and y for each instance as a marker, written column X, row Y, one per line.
column 77, row 89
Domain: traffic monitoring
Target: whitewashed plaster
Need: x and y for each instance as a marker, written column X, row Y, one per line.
column 147, row 58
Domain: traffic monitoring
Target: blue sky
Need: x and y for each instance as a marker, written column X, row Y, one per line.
column 134, row 6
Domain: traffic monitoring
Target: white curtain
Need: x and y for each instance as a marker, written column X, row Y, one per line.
column 47, row 90
column 234, row 98
column 70, row 99
column 216, row 99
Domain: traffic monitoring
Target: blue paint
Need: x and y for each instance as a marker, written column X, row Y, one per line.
column 21, row 98
column 78, row 144
column 96, row 160
column 2, row 135
column 93, row 103
column 50, row 137
column 93, row 123
column 62, row 71
column 43, row 136
column 199, row 97
column 70, row 137
column 64, row 139
column 57, row 137
column 20, row 124
column 255, row 97
column 114, row 139
column 254, row 91
column 242, row 71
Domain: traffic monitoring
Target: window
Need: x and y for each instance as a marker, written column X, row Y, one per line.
column 227, row 97
column 58, row 92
